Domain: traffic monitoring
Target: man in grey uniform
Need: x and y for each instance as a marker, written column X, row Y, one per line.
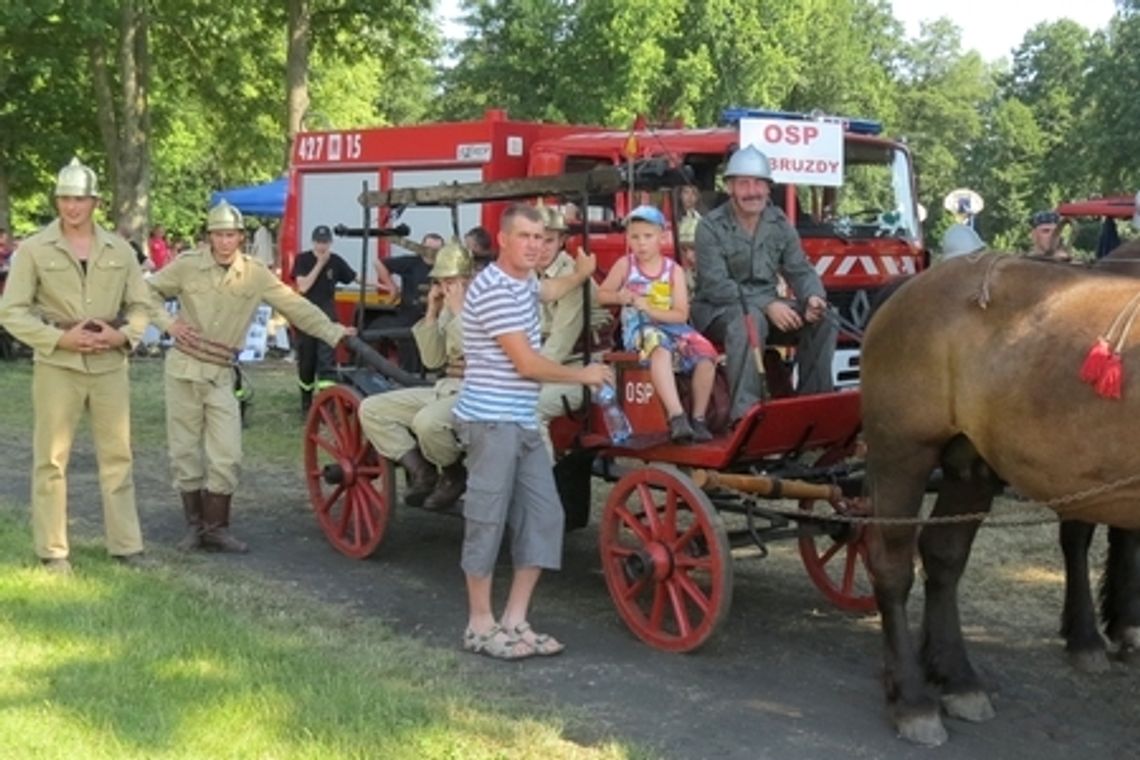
column 743, row 246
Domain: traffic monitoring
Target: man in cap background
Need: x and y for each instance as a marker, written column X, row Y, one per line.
column 317, row 272
column 415, row 281
column 413, row 426
column 743, row 246
column 218, row 292
column 1042, row 228
column 76, row 295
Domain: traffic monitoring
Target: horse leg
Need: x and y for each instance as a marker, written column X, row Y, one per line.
column 896, row 486
column 1083, row 641
column 945, row 548
column 1120, row 591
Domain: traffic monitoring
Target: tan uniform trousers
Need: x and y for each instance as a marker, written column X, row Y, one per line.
column 203, row 433
column 59, row 397
column 395, row 421
column 550, row 406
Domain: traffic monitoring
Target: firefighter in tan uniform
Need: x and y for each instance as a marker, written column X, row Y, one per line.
column 218, row 292
column 413, row 426
column 76, row 295
column 562, row 324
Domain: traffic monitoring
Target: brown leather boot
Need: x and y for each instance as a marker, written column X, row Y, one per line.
column 450, row 487
column 192, row 508
column 422, row 477
column 215, row 524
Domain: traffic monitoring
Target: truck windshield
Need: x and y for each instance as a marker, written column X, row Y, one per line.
column 875, row 200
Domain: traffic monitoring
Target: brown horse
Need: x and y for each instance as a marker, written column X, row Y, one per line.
column 1120, row 586
column 973, row 366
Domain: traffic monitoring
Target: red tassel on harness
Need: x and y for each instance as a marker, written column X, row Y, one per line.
column 1111, row 378
column 1097, row 361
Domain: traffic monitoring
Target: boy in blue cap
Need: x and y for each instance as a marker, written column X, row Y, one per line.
column 654, row 298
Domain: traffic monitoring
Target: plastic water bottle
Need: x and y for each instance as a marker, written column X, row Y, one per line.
column 617, row 424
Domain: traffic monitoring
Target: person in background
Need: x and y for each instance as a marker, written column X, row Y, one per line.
column 690, row 198
column 218, row 293
column 264, row 249
column 687, row 240
column 158, row 248
column 317, row 272
column 1042, row 228
column 478, row 241
column 124, row 232
column 76, row 295
column 414, row 272
column 511, row 479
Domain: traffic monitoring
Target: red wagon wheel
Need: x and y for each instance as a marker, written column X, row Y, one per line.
column 665, row 557
column 351, row 486
column 836, row 554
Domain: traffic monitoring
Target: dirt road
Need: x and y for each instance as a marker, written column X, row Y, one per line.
column 788, row 677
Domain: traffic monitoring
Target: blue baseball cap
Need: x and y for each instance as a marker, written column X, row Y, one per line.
column 647, row 213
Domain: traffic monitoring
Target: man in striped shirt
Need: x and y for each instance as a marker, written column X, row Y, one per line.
column 510, row 480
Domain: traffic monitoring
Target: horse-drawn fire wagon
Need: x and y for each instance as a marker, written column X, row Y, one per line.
column 673, row 512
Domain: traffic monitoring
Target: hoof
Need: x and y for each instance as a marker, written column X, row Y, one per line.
column 1090, row 662
column 1130, row 639
column 924, row 729
column 972, row 706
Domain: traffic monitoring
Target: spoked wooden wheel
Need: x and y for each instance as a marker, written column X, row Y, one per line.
column 351, row 486
column 836, row 554
column 665, row 557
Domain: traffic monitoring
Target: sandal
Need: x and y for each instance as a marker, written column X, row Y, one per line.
column 496, row 643
column 541, row 644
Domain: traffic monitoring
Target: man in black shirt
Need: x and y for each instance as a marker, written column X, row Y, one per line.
column 317, row 273
column 414, row 284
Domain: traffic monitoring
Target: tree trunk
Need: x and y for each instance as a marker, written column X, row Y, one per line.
column 297, row 70
column 104, row 109
column 132, row 179
column 5, row 200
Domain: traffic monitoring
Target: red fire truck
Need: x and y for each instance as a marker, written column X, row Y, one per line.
column 857, row 214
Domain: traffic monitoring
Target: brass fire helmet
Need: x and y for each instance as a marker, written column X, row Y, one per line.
column 553, row 219
column 77, row 180
column 453, row 260
column 224, row 217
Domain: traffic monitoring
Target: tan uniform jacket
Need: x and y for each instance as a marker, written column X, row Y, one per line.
column 221, row 302
column 562, row 319
column 441, row 343
column 47, row 287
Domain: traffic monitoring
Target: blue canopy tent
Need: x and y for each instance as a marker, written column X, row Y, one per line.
column 256, row 200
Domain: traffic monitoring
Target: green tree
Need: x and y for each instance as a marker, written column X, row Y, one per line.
column 939, row 93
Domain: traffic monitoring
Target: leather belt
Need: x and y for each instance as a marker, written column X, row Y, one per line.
column 208, row 351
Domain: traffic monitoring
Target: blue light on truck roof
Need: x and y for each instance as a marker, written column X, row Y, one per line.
column 732, row 116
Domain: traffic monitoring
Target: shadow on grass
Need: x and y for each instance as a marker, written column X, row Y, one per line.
column 166, row 663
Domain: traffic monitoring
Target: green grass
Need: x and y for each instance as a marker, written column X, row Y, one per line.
column 272, row 439
column 186, row 663
column 199, row 661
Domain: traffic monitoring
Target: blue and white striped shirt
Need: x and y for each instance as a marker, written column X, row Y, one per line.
column 493, row 390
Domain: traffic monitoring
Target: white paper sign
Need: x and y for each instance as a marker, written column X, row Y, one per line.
column 800, row 152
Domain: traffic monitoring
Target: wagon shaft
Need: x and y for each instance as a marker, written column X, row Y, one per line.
column 774, row 488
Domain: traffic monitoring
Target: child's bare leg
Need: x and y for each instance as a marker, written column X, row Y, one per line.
column 704, row 374
column 661, row 373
